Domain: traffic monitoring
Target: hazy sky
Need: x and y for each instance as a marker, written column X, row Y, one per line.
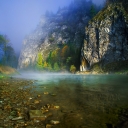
column 19, row 17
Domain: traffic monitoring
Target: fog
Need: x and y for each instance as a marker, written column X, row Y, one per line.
column 41, row 76
column 19, row 18
column 90, row 79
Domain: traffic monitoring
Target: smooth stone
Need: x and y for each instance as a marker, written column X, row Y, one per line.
column 38, row 114
column 48, row 126
column 1, row 101
column 36, row 102
column 46, row 93
column 17, row 118
column 54, row 122
column 57, row 107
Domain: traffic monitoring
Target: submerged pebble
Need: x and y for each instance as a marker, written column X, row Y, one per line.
column 17, row 118
column 54, row 122
column 48, row 126
column 46, row 93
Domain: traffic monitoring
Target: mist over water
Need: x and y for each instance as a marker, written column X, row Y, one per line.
column 85, row 80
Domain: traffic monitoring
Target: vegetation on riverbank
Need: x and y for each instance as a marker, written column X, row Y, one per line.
column 59, row 59
column 6, row 70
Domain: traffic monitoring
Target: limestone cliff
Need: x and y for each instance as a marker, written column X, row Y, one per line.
column 67, row 26
column 106, row 37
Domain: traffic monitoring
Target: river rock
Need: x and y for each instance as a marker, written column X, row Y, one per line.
column 36, row 102
column 48, row 126
column 17, row 118
column 38, row 114
column 54, row 122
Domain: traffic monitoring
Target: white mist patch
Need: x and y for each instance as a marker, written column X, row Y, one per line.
column 42, row 76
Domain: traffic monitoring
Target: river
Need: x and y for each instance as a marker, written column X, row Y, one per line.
column 88, row 101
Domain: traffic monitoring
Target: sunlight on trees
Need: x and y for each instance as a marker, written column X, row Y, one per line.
column 72, row 69
column 40, row 60
column 60, row 59
column 56, row 67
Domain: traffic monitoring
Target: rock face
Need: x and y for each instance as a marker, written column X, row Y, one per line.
column 106, row 38
column 67, row 26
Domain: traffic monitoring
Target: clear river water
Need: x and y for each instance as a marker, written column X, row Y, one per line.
column 85, row 101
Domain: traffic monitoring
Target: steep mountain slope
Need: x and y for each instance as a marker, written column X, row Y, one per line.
column 106, row 37
column 67, row 27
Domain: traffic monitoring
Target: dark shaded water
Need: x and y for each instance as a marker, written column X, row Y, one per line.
column 86, row 101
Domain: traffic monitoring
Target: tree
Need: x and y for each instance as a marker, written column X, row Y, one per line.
column 39, row 59
column 45, row 64
column 4, row 43
column 8, row 56
column 92, row 11
column 56, row 66
column 49, row 66
column 72, row 69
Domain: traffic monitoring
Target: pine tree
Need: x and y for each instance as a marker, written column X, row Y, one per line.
column 92, row 11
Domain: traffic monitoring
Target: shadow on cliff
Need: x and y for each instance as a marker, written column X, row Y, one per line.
column 112, row 54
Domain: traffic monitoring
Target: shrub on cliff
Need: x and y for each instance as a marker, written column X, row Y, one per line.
column 72, row 69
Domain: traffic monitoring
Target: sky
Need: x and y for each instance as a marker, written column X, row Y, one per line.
column 19, row 18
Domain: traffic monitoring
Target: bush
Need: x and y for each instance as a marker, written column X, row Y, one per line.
column 56, row 67
column 72, row 69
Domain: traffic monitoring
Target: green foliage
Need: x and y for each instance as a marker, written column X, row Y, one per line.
column 92, row 11
column 9, row 58
column 60, row 58
column 97, row 68
column 49, row 67
column 72, row 69
column 3, row 39
column 45, row 64
column 39, row 60
column 56, row 67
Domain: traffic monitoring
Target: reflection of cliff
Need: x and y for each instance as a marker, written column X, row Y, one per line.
column 106, row 37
